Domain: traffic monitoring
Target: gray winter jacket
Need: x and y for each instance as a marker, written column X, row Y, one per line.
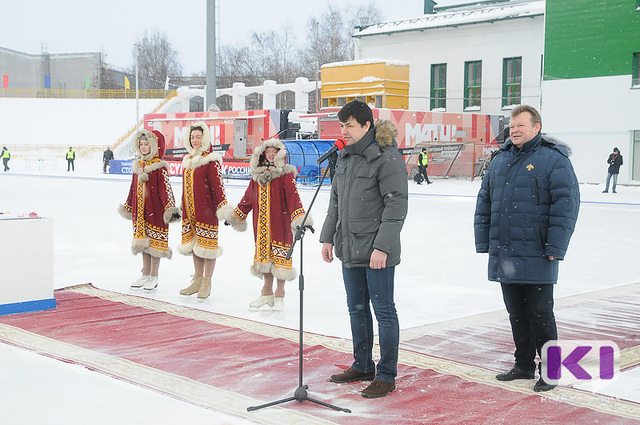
column 368, row 202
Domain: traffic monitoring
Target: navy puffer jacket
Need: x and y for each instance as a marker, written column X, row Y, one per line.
column 526, row 211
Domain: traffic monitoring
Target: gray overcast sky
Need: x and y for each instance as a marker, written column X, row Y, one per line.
column 112, row 26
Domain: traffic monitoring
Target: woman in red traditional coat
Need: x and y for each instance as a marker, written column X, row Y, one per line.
column 203, row 203
column 150, row 206
column 277, row 213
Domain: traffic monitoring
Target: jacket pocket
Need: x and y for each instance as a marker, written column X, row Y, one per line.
column 541, row 237
column 362, row 235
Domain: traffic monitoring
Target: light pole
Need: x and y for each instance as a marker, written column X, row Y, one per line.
column 137, row 106
column 211, row 55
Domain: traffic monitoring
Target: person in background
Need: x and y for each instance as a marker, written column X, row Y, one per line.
column 150, row 206
column 204, row 202
column 277, row 214
column 71, row 157
column 367, row 208
column 106, row 157
column 423, row 163
column 6, row 156
column 614, row 161
column 526, row 211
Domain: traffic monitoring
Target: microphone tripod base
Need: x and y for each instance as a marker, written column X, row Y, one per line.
column 299, row 395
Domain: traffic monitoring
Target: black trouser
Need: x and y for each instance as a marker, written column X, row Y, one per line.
column 422, row 169
column 70, row 165
column 104, row 167
column 533, row 323
column 5, row 162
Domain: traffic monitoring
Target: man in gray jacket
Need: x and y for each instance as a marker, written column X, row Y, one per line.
column 366, row 212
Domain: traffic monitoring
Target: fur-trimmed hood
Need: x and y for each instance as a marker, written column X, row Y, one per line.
column 206, row 139
column 386, row 132
column 153, row 144
column 544, row 140
column 263, row 174
column 202, row 155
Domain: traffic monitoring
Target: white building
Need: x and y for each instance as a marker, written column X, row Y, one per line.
column 483, row 58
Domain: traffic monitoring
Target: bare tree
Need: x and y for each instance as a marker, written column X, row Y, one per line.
column 156, row 60
column 274, row 55
column 329, row 39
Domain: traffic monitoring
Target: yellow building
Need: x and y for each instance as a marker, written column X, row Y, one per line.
column 380, row 83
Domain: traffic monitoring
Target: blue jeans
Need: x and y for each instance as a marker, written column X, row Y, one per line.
column 364, row 286
column 533, row 323
column 615, row 182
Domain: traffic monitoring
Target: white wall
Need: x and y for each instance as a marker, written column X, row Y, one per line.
column 489, row 42
column 593, row 115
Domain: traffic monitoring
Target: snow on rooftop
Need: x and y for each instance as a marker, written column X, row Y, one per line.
column 366, row 62
column 495, row 12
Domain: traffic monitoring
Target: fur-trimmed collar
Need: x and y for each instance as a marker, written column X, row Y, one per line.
column 541, row 140
column 190, row 162
column 142, row 168
column 386, row 132
column 263, row 174
column 205, row 146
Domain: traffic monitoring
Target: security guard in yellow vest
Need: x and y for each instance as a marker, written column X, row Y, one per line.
column 71, row 156
column 6, row 156
column 423, row 163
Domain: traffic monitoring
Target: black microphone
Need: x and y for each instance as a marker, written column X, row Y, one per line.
column 339, row 144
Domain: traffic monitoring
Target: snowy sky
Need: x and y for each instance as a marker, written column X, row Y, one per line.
column 112, row 27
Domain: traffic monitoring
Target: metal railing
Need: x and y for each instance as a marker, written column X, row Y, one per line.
column 130, row 131
column 85, row 94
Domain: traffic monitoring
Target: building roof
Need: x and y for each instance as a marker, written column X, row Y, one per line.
column 471, row 15
column 366, row 61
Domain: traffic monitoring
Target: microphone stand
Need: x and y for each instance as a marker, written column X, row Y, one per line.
column 300, row 393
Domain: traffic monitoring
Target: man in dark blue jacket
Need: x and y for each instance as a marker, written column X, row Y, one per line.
column 526, row 212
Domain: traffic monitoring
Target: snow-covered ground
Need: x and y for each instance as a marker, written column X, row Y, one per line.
column 440, row 278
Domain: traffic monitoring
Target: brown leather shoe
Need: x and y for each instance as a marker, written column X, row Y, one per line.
column 378, row 388
column 351, row 375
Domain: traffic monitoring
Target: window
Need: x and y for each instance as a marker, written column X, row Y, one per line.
column 342, row 101
column 635, row 76
column 511, row 81
column 325, row 102
column 439, row 86
column 472, row 83
column 378, row 101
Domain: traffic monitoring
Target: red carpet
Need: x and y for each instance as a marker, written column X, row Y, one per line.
column 229, row 364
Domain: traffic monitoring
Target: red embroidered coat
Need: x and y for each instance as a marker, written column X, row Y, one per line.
column 150, row 204
column 203, row 199
column 277, row 211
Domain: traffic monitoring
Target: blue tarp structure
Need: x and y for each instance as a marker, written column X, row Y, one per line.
column 304, row 154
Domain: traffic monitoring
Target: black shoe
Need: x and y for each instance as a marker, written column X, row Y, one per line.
column 615, row 191
column 542, row 386
column 351, row 375
column 605, row 191
column 515, row 373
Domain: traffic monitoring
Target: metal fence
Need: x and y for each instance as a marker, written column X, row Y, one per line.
column 85, row 94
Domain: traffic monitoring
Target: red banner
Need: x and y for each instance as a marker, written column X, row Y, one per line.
column 5, row 81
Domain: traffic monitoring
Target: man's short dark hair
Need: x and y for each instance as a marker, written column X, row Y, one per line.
column 357, row 109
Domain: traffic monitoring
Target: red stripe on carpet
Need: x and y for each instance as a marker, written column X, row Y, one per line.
column 490, row 345
column 266, row 368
